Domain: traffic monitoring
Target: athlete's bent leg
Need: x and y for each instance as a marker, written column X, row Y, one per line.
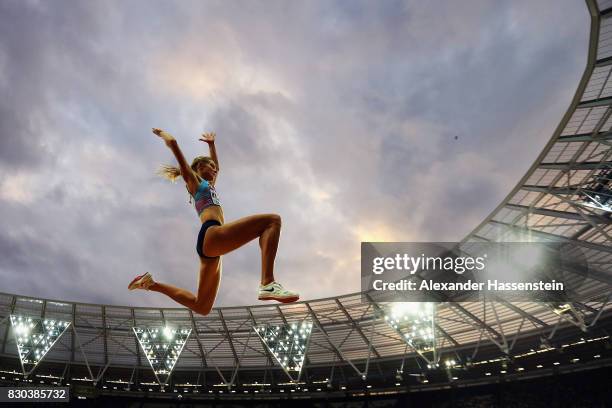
column 225, row 238
column 208, row 285
column 182, row 296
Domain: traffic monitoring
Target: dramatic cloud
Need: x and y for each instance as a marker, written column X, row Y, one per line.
column 354, row 120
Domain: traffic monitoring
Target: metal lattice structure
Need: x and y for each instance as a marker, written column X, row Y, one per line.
column 350, row 338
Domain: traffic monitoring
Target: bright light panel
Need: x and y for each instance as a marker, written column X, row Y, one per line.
column 162, row 346
column 35, row 336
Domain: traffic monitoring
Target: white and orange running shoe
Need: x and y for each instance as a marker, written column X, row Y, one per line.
column 275, row 291
column 141, row 282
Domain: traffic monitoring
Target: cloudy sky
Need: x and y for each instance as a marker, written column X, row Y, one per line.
column 340, row 116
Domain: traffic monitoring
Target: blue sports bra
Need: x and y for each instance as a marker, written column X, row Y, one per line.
column 205, row 196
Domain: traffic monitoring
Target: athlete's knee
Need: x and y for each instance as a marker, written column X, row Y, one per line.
column 275, row 219
column 203, row 308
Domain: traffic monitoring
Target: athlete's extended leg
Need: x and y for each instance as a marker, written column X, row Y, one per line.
column 208, row 285
column 225, row 238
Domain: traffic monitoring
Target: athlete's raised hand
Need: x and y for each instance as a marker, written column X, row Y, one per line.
column 208, row 137
column 168, row 138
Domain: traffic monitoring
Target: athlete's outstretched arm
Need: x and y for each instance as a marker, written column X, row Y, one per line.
column 186, row 172
column 210, row 139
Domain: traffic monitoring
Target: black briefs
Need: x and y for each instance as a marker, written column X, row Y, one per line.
column 201, row 236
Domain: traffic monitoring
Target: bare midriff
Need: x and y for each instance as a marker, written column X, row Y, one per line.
column 214, row 212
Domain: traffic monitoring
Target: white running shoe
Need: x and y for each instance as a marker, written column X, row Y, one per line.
column 141, row 282
column 275, row 291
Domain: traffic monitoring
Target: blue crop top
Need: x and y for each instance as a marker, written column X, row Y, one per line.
column 205, row 196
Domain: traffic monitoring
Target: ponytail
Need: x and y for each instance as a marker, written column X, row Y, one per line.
column 172, row 172
column 169, row 172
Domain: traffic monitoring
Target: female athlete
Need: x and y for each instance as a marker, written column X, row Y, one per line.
column 217, row 238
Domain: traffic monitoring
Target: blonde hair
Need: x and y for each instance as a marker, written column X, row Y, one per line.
column 172, row 172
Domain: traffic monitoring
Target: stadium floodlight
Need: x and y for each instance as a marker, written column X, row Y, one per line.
column 162, row 346
column 561, row 308
column 288, row 344
column 415, row 323
column 601, row 200
column 449, row 365
column 567, row 311
column 598, row 193
column 35, row 336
